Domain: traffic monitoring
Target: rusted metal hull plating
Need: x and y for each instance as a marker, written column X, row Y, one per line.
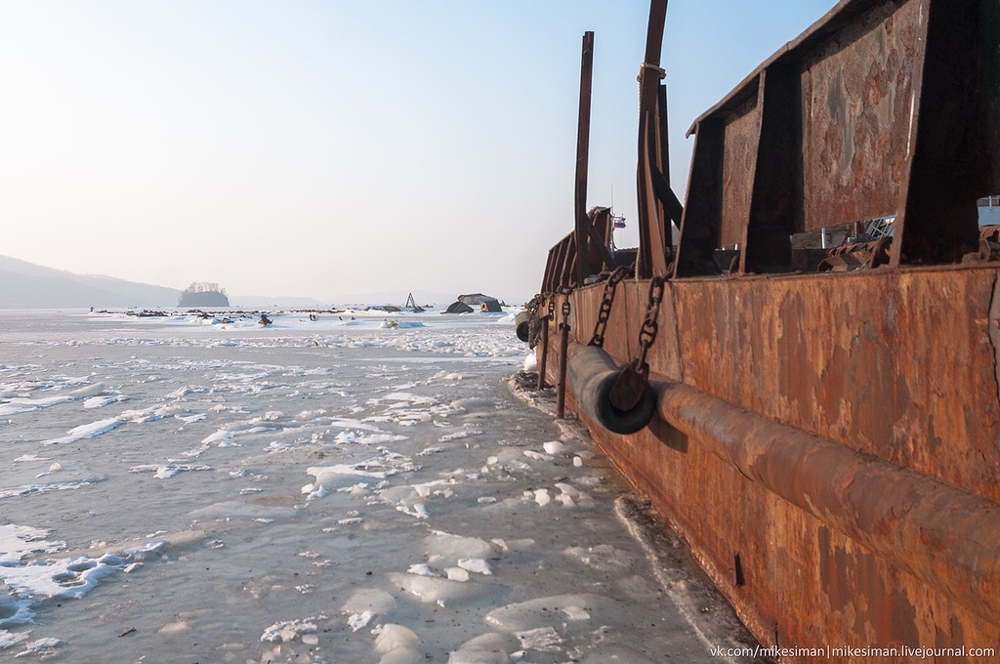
column 827, row 445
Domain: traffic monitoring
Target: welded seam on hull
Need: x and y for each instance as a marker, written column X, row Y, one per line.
column 993, row 327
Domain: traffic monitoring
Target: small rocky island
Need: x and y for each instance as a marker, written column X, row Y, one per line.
column 203, row 294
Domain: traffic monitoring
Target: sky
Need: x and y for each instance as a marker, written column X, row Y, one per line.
column 320, row 149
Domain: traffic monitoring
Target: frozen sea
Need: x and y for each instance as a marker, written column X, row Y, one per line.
column 363, row 487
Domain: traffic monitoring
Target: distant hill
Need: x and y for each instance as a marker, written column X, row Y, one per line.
column 24, row 285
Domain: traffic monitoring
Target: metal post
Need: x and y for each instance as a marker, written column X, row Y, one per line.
column 545, row 352
column 651, row 259
column 583, row 263
column 563, row 358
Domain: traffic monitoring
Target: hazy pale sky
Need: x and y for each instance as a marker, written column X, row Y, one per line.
column 320, row 148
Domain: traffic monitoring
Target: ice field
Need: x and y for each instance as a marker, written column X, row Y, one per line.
column 364, row 487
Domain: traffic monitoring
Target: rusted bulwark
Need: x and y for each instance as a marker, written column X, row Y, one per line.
column 895, row 363
column 565, row 263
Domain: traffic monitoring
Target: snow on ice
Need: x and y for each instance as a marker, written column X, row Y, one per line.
column 354, row 488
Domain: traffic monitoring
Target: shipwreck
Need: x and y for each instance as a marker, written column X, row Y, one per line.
column 805, row 380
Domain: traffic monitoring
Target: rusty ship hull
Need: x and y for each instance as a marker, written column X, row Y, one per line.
column 826, row 432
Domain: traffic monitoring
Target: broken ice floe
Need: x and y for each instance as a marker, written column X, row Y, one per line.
column 166, row 471
column 421, row 569
column 458, row 435
column 68, row 578
column 103, row 400
column 19, row 405
column 369, row 599
column 7, row 639
column 363, row 438
column 397, row 645
column 65, row 578
column 540, row 638
column 39, row 647
column 16, row 542
column 361, row 620
column 603, row 557
column 476, row 565
column 26, row 489
column 554, row 447
column 142, row 415
column 489, row 648
column 330, row 478
column 436, row 589
column 87, row 431
column 568, row 613
column 289, row 630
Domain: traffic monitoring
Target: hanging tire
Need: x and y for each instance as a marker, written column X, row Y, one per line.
column 522, row 325
column 592, row 373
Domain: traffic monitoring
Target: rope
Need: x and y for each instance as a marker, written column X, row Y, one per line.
column 660, row 72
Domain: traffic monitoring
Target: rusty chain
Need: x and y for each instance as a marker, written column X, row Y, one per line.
column 607, row 300
column 565, row 310
column 532, row 306
column 650, row 326
column 634, row 378
column 535, row 321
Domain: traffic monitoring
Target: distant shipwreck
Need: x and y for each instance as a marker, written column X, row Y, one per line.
column 465, row 304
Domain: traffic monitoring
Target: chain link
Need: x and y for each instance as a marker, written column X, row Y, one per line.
column 607, row 300
column 535, row 321
column 633, row 380
column 532, row 307
column 650, row 326
column 566, row 291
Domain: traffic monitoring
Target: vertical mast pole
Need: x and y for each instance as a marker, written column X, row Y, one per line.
column 651, row 259
column 583, row 249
